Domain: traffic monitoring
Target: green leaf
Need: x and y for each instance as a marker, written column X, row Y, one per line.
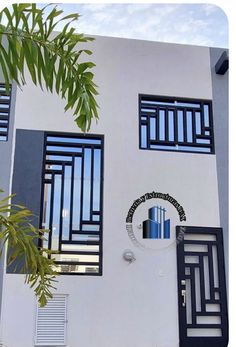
column 25, row 19
column 73, row 16
column 5, row 74
column 81, row 121
column 29, row 59
column 54, row 13
column 8, row 15
column 59, row 76
column 52, row 60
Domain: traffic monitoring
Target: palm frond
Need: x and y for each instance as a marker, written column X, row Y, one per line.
column 53, row 60
column 22, row 240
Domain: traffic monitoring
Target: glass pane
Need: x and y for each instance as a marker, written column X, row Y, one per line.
column 200, row 237
column 206, row 115
column 90, row 227
column 180, row 126
column 204, row 332
column 215, row 266
column 4, row 97
column 53, row 167
column 58, row 157
column 189, row 126
column 79, row 248
column 143, row 136
column 148, row 110
column 171, row 103
column 208, row 320
column 195, row 149
column 64, row 149
column 72, row 140
column 206, row 141
column 87, row 184
column 56, row 213
column 96, row 180
column 76, row 258
column 96, row 218
column 5, row 106
column 85, row 237
column 191, row 259
column 187, row 271
column 188, row 302
column 66, row 203
column 197, row 289
column 48, row 176
column 152, row 128
column 171, row 125
column 195, row 248
column 212, row 307
column 198, row 123
column 72, row 268
column 206, row 277
column 162, row 125
column 46, row 212
column 77, row 194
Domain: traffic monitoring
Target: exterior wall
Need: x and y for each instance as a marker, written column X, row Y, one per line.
column 28, row 154
column 5, row 168
column 221, row 126
column 136, row 304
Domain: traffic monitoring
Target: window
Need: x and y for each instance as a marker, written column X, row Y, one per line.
column 72, row 202
column 175, row 124
column 51, row 322
column 4, row 112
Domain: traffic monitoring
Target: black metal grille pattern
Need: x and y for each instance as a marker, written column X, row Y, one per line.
column 176, row 124
column 72, row 201
column 5, row 100
column 201, row 281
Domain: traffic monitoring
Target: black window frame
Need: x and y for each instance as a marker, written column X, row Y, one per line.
column 171, row 99
column 6, row 117
column 100, row 242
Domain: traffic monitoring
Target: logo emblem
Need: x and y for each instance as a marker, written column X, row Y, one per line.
column 156, row 226
column 148, row 224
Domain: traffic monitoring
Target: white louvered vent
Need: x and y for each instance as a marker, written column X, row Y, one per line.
column 51, row 322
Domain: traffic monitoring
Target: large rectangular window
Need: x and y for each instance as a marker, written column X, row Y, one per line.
column 175, row 124
column 72, row 201
column 5, row 100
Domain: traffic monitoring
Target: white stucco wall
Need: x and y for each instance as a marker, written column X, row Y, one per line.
column 130, row 305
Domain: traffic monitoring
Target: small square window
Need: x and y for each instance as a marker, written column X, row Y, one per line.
column 175, row 124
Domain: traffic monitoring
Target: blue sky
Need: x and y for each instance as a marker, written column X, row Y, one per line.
column 198, row 24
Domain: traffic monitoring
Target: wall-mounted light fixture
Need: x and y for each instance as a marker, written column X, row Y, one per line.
column 222, row 64
column 129, row 256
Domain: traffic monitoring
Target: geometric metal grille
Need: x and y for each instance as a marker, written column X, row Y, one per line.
column 175, row 124
column 72, row 202
column 5, row 100
column 201, row 286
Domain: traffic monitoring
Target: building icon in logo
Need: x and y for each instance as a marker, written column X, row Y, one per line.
column 156, row 226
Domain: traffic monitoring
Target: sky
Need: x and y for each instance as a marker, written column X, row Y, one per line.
column 198, row 24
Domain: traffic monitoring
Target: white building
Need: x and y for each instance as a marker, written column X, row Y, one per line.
column 162, row 130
